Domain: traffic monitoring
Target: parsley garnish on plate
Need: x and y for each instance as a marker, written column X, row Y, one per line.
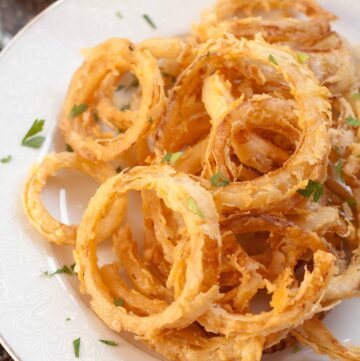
column 109, row 343
column 119, row 15
column 119, row 302
column 68, row 319
column 218, row 180
column 77, row 110
column 172, row 158
column 302, row 57
column 31, row 139
column 352, row 121
column 65, row 269
column 272, row 60
column 6, row 159
column 194, row 207
column 76, row 345
column 314, row 189
column 149, row 21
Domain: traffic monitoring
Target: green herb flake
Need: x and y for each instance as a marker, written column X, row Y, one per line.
column 65, row 269
column 109, row 343
column 32, row 141
column 6, row 159
column 338, row 170
column 172, row 158
column 296, row 348
column 272, row 60
column 125, row 107
column 352, row 121
column 356, row 96
column 351, row 202
column 68, row 319
column 69, row 148
column 77, row 110
column 194, row 207
column 149, row 21
column 302, row 57
column 166, row 158
column 339, row 165
column 175, row 157
column 120, row 87
column 314, row 189
column 218, row 180
column 119, row 302
column 119, row 15
column 76, row 345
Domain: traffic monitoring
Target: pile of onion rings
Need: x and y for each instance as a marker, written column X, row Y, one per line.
column 241, row 141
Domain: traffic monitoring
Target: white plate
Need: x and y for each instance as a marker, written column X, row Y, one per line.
column 35, row 70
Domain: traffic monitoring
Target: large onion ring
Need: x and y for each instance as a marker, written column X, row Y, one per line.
column 199, row 264
column 50, row 228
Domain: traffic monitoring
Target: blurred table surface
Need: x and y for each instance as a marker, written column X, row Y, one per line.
column 14, row 14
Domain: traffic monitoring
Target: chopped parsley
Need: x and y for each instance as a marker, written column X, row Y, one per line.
column 77, row 110
column 65, row 269
column 119, row 15
column 172, row 158
column 6, row 159
column 314, row 189
column 356, row 95
column 339, row 165
column 218, row 180
column 302, row 57
column 120, row 87
column 119, row 302
column 109, row 343
column 31, row 139
column 69, row 148
column 149, row 21
column 194, row 207
column 272, row 60
column 76, row 345
column 352, row 121
column 68, row 319
column 351, row 202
